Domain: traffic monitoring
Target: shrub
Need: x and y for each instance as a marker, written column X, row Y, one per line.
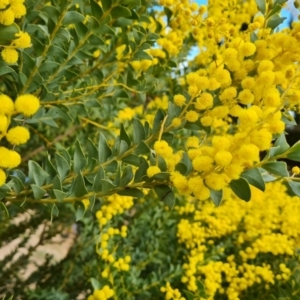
column 104, row 117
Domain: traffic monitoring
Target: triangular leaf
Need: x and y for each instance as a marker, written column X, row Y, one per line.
column 36, row 173
column 241, row 188
column 254, row 177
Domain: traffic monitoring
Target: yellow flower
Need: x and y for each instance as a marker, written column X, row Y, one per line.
column 7, row 105
column 223, row 158
column 153, row 170
column 3, row 3
column 204, row 101
column 162, row 148
column 27, row 104
column 18, row 9
column 9, row 158
column 179, row 100
column 203, row 163
column 10, row 55
column 2, row 177
column 191, row 116
column 96, row 53
column 3, row 123
column 18, row 135
column 7, row 17
column 23, row 40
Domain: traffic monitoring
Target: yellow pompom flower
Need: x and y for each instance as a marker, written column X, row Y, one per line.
column 18, row 9
column 9, row 158
column 204, row 101
column 261, row 138
column 203, row 163
column 3, row 3
column 223, row 77
column 23, row 40
column 2, row 177
column 136, row 65
column 296, row 170
column 27, row 104
column 249, row 152
column 96, row 53
column 14, row 159
column 3, row 123
column 10, row 55
column 215, row 181
column 153, row 170
column 179, row 100
column 7, row 105
column 146, row 64
column 228, row 94
column 162, row 148
column 248, row 83
column 191, row 116
column 7, row 17
column 220, row 142
column 223, row 158
column 176, row 122
column 18, row 135
column 192, row 142
column 246, row 97
column 247, row 49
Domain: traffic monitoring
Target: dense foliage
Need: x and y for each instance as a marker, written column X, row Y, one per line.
column 104, row 121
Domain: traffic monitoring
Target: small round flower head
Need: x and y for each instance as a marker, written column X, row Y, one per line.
column 18, row 9
column 14, row 159
column 191, row 116
column 7, row 105
column 179, row 100
column 3, row 123
column 2, row 177
column 22, row 40
column 4, row 4
column 7, row 17
column 18, row 135
column 296, row 170
column 153, row 170
column 223, row 158
column 162, row 148
column 136, row 65
column 96, row 53
column 10, row 55
column 27, row 104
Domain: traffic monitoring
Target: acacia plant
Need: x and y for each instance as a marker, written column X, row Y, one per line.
column 104, row 120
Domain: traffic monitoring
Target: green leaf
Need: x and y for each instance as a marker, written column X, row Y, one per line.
column 278, row 168
column 120, row 148
column 62, row 165
column 97, row 186
column 38, row 192
column 141, row 54
column 138, row 131
column 294, row 152
column 159, row 116
column 189, row 295
column 54, row 212
column 80, row 211
column 163, row 176
column 241, row 188
column 165, row 193
column 127, row 176
column 120, row 11
column 4, row 189
column 132, row 159
column 78, row 188
column 36, row 173
column 261, row 4
column 282, row 144
column 133, row 192
column 7, row 33
column 3, row 208
column 95, row 284
column 107, row 185
column 106, row 4
column 142, row 170
column 72, row 17
column 92, row 154
column 254, row 177
column 294, row 186
column 18, row 185
column 97, row 11
column 172, row 113
column 79, row 159
column 142, row 148
column 216, row 196
column 60, row 195
column 104, row 151
column 124, row 136
column 275, row 21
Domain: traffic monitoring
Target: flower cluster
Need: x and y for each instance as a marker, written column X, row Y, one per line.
column 26, row 105
column 261, row 242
